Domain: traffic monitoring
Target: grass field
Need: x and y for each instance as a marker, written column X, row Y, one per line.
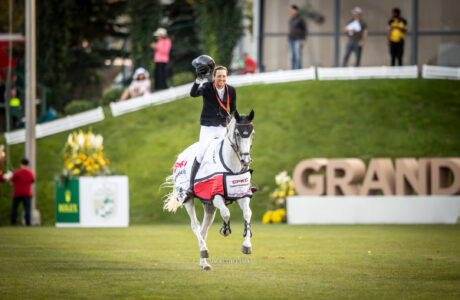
column 288, row 262
column 293, row 121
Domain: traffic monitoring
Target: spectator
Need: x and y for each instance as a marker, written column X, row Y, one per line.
column 297, row 37
column 397, row 26
column 161, row 57
column 248, row 65
column 22, row 180
column 140, row 85
column 356, row 30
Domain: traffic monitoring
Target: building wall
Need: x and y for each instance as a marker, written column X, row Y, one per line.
column 432, row 16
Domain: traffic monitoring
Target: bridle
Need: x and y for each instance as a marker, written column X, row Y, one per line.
column 236, row 147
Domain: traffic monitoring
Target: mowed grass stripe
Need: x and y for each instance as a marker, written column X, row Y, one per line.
column 289, row 262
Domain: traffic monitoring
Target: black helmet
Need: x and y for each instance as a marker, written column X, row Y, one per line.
column 204, row 65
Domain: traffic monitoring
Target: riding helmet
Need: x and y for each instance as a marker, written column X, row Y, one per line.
column 204, row 65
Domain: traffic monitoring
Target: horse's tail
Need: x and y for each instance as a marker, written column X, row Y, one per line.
column 170, row 202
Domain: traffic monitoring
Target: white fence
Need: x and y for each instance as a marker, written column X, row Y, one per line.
column 60, row 125
column 367, row 72
column 436, row 72
column 171, row 94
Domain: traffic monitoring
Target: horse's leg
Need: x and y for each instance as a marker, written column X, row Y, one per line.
column 219, row 203
column 247, row 214
column 190, row 207
column 209, row 214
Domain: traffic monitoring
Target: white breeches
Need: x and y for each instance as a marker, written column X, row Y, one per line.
column 208, row 133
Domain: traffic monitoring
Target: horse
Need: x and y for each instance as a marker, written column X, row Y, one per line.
column 221, row 188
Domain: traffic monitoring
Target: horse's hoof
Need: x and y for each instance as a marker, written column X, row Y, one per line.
column 246, row 250
column 207, row 268
column 204, row 254
column 225, row 231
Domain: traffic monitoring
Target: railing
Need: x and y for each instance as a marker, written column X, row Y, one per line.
column 171, row 94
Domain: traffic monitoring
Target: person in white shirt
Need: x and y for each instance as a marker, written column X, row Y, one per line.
column 140, row 85
column 356, row 30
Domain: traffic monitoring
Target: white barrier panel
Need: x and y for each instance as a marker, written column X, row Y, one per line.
column 367, row 72
column 272, row 77
column 436, row 72
column 164, row 96
column 373, row 209
column 56, row 126
column 171, row 94
column 103, row 202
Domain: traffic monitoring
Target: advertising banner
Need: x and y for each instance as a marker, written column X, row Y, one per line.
column 101, row 201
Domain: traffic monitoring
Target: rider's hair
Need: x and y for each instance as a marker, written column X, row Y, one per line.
column 219, row 68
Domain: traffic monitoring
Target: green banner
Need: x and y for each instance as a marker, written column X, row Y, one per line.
column 67, row 202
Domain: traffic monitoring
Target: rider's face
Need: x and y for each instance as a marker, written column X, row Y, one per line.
column 220, row 78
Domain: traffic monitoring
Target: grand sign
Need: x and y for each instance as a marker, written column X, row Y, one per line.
column 348, row 176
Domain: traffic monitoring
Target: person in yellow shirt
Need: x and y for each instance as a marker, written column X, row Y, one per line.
column 397, row 26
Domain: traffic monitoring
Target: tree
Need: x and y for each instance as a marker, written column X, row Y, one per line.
column 52, row 52
column 145, row 18
column 219, row 28
column 70, row 40
column 181, row 30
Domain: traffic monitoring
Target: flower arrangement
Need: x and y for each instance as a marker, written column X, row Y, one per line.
column 285, row 188
column 84, row 156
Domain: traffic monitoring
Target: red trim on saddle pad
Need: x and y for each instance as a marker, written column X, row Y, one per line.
column 208, row 188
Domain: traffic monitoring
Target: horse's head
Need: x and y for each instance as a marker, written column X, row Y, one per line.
column 240, row 132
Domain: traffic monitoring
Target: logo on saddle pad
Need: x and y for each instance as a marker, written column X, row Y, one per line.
column 179, row 165
column 245, row 180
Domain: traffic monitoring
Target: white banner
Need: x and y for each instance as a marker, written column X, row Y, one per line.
column 373, row 209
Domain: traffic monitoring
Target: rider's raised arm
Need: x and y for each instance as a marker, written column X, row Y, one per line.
column 197, row 88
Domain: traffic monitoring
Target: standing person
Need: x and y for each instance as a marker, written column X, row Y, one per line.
column 297, row 37
column 356, row 30
column 219, row 101
column 22, row 180
column 397, row 26
column 161, row 57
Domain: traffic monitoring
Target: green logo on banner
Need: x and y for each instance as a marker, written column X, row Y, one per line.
column 67, row 202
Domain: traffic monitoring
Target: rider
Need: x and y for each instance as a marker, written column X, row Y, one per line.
column 219, row 101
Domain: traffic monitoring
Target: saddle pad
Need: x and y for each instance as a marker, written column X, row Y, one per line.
column 213, row 177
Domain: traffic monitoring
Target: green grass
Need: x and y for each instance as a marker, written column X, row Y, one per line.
column 293, row 121
column 288, row 262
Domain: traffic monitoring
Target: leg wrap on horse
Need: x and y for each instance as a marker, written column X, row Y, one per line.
column 226, row 230
column 247, row 226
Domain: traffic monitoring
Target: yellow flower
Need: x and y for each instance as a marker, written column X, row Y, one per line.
column 291, row 192
column 276, row 217
column 282, row 194
column 76, row 171
column 267, row 217
column 70, row 166
column 89, row 168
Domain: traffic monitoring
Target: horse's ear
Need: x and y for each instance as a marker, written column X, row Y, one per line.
column 251, row 115
column 236, row 115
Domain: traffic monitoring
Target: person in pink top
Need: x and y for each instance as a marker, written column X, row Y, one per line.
column 161, row 57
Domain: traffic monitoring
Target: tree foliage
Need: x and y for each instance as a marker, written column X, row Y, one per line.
column 219, row 28
column 70, row 40
column 181, row 29
column 145, row 18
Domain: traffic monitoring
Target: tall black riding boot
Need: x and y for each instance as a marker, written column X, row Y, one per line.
column 195, row 168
